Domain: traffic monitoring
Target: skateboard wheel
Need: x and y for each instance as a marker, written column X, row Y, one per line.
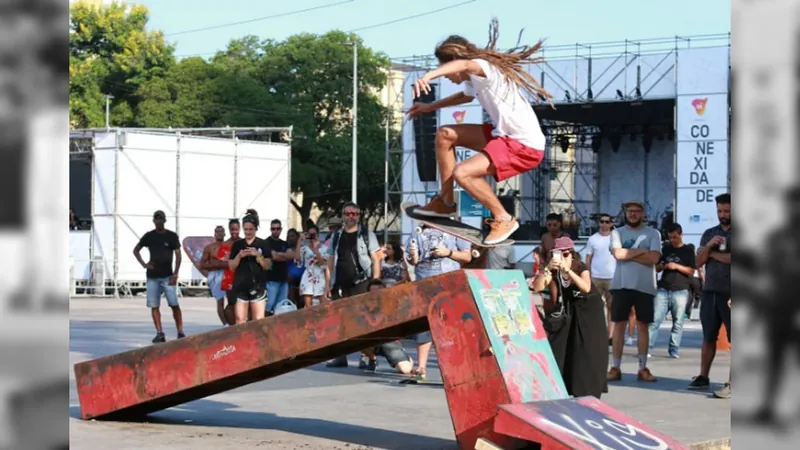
column 476, row 253
column 418, row 230
column 413, row 242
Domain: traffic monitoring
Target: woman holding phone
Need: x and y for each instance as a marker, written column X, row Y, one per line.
column 579, row 341
column 249, row 266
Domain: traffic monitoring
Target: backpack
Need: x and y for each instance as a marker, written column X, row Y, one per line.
column 361, row 233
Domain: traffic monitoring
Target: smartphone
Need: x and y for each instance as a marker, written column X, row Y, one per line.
column 557, row 256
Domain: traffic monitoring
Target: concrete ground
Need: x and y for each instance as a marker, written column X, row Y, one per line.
column 321, row 408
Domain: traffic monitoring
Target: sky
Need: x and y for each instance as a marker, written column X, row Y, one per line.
column 558, row 21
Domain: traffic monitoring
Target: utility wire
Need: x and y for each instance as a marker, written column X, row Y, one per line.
column 368, row 27
column 415, row 16
column 258, row 19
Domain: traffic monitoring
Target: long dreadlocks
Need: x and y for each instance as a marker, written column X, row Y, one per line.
column 509, row 63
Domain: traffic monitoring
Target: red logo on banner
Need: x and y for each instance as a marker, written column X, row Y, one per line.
column 700, row 105
column 459, row 116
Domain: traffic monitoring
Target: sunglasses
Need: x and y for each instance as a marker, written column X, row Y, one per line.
column 605, row 221
column 276, row 228
column 352, row 214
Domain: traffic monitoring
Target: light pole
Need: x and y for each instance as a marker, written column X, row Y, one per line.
column 355, row 118
column 108, row 110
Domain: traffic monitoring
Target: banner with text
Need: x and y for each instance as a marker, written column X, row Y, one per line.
column 702, row 162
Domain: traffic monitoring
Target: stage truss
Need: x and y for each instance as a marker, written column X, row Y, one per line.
column 571, row 148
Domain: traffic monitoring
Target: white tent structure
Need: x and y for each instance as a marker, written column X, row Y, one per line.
column 199, row 177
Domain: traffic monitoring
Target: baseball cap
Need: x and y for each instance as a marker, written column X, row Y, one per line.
column 633, row 202
column 564, row 243
column 159, row 214
column 334, row 221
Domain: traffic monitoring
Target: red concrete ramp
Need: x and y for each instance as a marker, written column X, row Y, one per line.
column 578, row 423
column 160, row 376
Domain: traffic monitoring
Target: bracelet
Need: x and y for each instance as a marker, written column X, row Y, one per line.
column 451, row 254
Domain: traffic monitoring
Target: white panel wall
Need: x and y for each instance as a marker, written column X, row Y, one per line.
column 80, row 243
column 193, row 179
column 702, row 133
column 146, row 174
column 104, row 174
column 207, row 167
column 263, row 181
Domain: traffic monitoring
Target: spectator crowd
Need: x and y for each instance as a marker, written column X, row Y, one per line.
column 631, row 280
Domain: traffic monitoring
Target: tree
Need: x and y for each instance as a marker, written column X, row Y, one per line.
column 111, row 52
column 185, row 97
column 313, row 74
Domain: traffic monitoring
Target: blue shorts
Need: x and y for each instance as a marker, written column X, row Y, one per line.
column 215, row 284
column 158, row 286
column 277, row 291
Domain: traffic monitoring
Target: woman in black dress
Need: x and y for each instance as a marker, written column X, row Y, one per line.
column 249, row 267
column 579, row 336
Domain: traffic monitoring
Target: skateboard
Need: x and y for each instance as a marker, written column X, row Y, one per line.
column 193, row 246
column 419, row 382
column 452, row 227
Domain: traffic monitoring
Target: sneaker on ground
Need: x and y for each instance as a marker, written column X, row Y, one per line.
column 699, row 383
column 181, row 335
column 159, row 338
column 725, row 392
column 614, row 374
column 645, row 375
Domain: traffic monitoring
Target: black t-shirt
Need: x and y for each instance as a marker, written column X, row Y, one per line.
column 161, row 247
column 280, row 270
column 570, row 291
column 250, row 276
column 346, row 270
column 672, row 280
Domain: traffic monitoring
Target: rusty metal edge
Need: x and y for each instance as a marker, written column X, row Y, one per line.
column 714, row 444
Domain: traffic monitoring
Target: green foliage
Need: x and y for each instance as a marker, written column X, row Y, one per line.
column 111, row 52
column 304, row 82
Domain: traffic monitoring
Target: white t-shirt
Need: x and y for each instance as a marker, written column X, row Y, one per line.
column 511, row 114
column 603, row 262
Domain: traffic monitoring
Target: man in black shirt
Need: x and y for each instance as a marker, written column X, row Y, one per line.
column 278, row 276
column 715, row 254
column 677, row 268
column 162, row 244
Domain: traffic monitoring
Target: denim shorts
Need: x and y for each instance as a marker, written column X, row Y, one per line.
column 156, row 287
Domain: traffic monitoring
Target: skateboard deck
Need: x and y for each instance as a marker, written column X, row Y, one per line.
column 453, row 227
column 419, row 382
column 193, row 246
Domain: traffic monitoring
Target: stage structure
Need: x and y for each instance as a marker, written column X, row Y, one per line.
column 199, row 177
column 645, row 120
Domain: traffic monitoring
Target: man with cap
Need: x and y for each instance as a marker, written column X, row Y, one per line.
column 637, row 249
column 162, row 244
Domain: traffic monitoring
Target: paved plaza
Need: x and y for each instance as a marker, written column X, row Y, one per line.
column 347, row 409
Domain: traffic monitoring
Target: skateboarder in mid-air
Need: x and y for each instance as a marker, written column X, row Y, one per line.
column 514, row 145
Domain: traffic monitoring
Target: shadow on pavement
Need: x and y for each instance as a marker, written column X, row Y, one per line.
column 212, row 413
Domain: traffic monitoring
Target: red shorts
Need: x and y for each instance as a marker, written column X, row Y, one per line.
column 509, row 156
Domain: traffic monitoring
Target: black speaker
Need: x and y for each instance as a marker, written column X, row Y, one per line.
column 509, row 204
column 424, row 139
